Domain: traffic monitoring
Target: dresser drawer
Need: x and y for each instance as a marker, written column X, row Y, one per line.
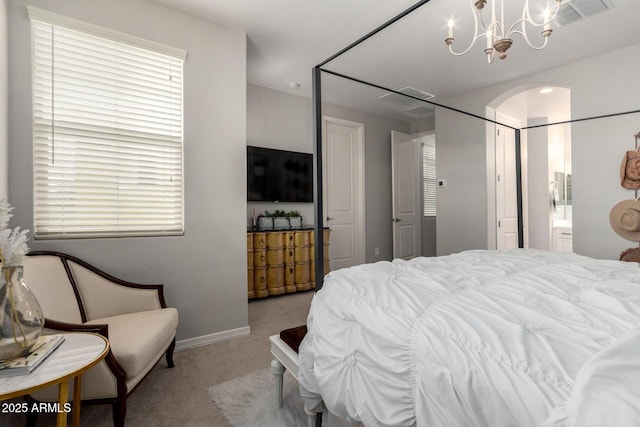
column 302, row 238
column 259, row 240
column 260, row 258
column 275, row 240
column 275, row 256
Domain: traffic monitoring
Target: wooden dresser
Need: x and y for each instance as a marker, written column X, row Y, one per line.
column 281, row 262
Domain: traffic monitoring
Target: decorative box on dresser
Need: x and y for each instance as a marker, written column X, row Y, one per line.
column 281, row 262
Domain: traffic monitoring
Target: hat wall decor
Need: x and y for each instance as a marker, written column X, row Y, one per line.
column 630, row 170
column 625, row 216
column 625, row 219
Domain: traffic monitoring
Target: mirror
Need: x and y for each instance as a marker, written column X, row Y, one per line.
column 562, row 196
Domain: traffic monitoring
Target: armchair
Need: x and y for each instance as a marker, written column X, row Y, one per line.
column 77, row 297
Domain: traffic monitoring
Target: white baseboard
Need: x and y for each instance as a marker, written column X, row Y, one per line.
column 211, row 338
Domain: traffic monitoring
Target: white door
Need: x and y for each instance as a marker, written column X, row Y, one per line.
column 407, row 209
column 506, row 186
column 343, row 183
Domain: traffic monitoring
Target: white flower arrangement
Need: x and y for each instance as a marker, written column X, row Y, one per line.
column 5, row 213
column 13, row 243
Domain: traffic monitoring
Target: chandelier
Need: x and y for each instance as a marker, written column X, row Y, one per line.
column 498, row 36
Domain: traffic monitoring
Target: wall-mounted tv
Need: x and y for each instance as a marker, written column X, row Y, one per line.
column 279, row 176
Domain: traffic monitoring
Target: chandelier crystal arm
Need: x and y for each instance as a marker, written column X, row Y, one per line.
column 531, row 45
column 498, row 39
column 548, row 16
column 546, row 24
column 467, row 49
column 484, row 24
column 527, row 19
column 450, row 39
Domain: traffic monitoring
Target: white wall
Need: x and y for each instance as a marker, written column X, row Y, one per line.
column 281, row 120
column 538, row 189
column 599, row 85
column 4, row 113
column 204, row 271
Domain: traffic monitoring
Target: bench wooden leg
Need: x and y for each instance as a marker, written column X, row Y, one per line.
column 314, row 418
column 277, row 369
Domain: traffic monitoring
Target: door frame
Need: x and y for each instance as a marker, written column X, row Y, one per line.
column 492, row 216
column 359, row 203
column 508, row 200
column 416, row 139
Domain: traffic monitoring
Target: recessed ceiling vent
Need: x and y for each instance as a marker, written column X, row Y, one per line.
column 574, row 10
column 397, row 99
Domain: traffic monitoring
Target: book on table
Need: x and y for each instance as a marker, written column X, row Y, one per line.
column 24, row 365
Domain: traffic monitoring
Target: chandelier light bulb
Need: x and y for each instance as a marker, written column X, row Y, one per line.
column 498, row 35
column 546, row 31
column 449, row 40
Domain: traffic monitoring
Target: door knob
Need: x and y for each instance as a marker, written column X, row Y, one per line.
column 396, row 220
column 329, row 218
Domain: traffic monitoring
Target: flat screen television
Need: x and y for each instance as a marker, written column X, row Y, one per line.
column 279, row 176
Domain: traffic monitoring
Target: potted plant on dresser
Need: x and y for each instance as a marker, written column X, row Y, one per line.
column 280, row 220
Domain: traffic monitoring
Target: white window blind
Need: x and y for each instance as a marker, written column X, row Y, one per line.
column 107, row 135
column 429, row 176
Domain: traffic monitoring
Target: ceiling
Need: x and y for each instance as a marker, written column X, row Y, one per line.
column 287, row 38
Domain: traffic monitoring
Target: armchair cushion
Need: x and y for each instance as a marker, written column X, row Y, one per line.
column 47, row 278
column 138, row 338
column 102, row 297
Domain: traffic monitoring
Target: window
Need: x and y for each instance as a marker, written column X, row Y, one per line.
column 429, row 175
column 107, row 132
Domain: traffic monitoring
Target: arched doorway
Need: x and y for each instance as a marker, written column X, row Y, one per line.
column 546, row 166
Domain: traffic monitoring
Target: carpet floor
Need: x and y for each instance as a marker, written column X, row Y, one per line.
column 249, row 401
column 179, row 396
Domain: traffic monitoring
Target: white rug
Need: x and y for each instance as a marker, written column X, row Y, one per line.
column 249, row 401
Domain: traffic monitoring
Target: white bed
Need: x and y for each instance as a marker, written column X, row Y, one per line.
column 482, row 338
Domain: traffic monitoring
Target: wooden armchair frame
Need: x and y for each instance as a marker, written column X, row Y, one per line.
column 119, row 403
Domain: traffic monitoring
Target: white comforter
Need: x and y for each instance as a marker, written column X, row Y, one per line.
column 481, row 338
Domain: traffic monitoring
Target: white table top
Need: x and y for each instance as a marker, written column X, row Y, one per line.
column 77, row 351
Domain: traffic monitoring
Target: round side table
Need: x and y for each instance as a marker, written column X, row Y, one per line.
column 78, row 353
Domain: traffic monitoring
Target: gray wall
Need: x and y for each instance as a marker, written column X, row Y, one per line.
column 4, row 113
column 599, row 85
column 204, row 271
column 428, row 224
column 423, row 124
column 283, row 121
column 429, row 236
column 461, row 222
column 280, row 120
column 377, row 154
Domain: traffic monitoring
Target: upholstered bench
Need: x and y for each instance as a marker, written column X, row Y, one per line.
column 284, row 347
column 76, row 296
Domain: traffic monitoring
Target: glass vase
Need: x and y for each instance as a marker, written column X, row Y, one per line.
column 21, row 317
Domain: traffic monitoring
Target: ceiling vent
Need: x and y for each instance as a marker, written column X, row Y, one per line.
column 574, row 10
column 397, row 99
